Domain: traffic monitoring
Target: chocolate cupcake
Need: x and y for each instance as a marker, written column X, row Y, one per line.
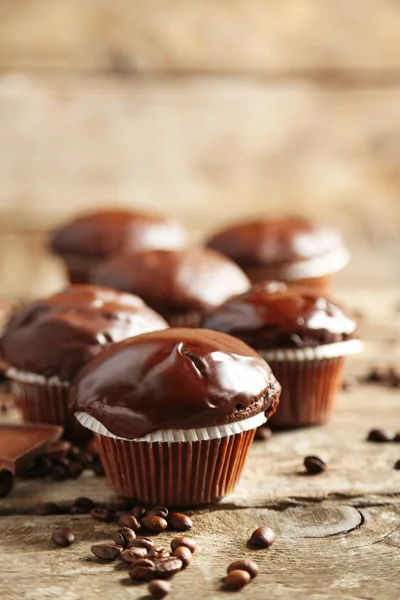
column 303, row 335
column 174, row 413
column 181, row 285
column 91, row 239
column 47, row 342
column 297, row 251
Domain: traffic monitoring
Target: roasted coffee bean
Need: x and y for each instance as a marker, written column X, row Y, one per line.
column 138, row 511
column 119, row 504
column 141, row 542
column 154, row 524
column 244, row 565
column 262, row 537
column 381, row 435
column 158, row 511
column 133, row 554
column 85, row 458
column 158, row 588
column 314, row 465
column 123, row 536
column 179, row 521
column 74, row 470
column 167, row 567
column 184, row 555
column 236, row 580
column 43, row 509
column 106, row 551
column 158, row 552
column 79, row 510
column 58, row 450
column 263, row 433
column 103, row 514
column 58, row 472
column 397, row 465
column 142, row 570
column 184, row 541
column 129, row 521
column 84, row 502
column 6, row 482
column 62, row 536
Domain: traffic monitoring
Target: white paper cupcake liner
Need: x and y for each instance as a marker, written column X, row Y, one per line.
column 27, row 377
column 178, row 435
column 318, row 267
column 320, row 352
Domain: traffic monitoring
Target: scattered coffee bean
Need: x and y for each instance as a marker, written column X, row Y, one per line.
column 184, row 541
column 397, row 465
column 179, row 521
column 58, row 450
column 74, row 470
column 123, row 536
column 158, row 511
column 262, row 537
column 119, row 504
column 263, row 433
column 43, row 509
column 58, row 472
column 6, row 482
column 244, row 565
column 106, row 551
column 62, row 536
column 79, row 510
column 133, row 554
column 154, row 524
column 129, row 521
column 236, row 580
column 158, row 588
column 142, row 570
column 103, row 514
column 141, row 542
column 167, row 567
column 158, row 552
column 314, row 465
column 388, row 376
column 381, row 435
column 84, row 503
column 184, row 555
column 138, row 511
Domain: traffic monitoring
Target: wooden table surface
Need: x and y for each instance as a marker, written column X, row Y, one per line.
column 338, row 534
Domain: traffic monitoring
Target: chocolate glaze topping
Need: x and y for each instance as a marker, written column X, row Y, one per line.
column 271, row 315
column 175, row 282
column 59, row 334
column 103, row 234
column 275, row 242
column 174, row 379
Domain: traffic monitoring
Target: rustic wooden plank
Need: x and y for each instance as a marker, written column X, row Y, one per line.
column 220, row 36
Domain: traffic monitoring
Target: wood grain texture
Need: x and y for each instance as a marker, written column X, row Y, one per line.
column 187, row 36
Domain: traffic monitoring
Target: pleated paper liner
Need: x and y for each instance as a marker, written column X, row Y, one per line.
column 309, row 379
column 44, row 400
column 201, row 469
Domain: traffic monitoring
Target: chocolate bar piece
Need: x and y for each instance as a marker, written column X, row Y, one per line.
column 20, row 444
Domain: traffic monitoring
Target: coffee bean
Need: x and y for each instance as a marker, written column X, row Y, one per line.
column 123, row 536
column 184, row 555
column 120, row 504
column 154, row 524
column 106, row 551
column 133, row 554
column 142, row 570
column 43, row 509
column 79, row 510
column 158, row 588
column 138, row 511
column 62, row 536
column 84, row 502
column 103, row 514
column 262, row 537
column 167, row 567
column 74, row 470
column 58, row 450
column 6, row 482
column 244, row 565
column 397, row 465
column 141, row 542
column 58, row 472
column 381, row 435
column 158, row 511
column 85, row 458
column 184, row 541
column 158, row 552
column 236, row 580
column 314, row 465
column 263, row 433
column 179, row 521
column 129, row 521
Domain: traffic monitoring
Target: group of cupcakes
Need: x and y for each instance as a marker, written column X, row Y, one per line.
column 172, row 355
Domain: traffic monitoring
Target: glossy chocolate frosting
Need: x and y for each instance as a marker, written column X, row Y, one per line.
column 271, row 315
column 274, row 242
column 103, row 234
column 174, row 379
column 59, row 334
column 176, row 282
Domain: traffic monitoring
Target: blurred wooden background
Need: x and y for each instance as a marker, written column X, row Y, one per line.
column 209, row 110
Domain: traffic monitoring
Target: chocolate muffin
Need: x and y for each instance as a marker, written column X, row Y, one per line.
column 89, row 240
column 295, row 250
column 48, row 341
column 174, row 413
column 303, row 335
column 181, row 285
